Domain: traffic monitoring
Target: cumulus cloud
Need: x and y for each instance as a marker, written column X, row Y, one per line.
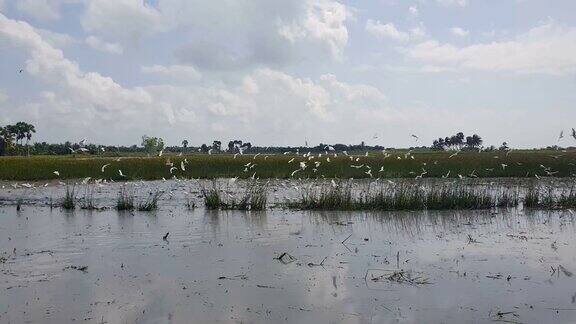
column 549, row 48
column 126, row 20
column 458, row 31
column 388, row 30
column 184, row 73
column 247, row 32
column 102, row 46
column 39, row 9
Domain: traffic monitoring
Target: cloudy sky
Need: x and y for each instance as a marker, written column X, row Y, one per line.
column 278, row 72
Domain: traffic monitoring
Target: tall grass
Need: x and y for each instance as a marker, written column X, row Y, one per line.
column 549, row 198
column 125, row 199
column 69, row 200
column 151, row 202
column 400, row 197
column 253, row 197
column 87, row 201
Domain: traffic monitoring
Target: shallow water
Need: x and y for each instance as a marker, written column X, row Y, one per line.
column 221, row 266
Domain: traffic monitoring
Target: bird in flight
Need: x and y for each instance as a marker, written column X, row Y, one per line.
column 416, row 137
column 574, row 133
column 21, row 70
column 561, row 135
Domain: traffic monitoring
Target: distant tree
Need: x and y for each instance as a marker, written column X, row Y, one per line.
column 28, row 129
column 204, row 148
column 217, row 146
column 152, row 145
column 504, row 147
column 185, row 143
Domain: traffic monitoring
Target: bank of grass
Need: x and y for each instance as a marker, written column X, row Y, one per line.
column 253, row 196
column 436, row 164
column 344, row 196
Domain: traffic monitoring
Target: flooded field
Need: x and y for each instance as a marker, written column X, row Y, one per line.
column 182, row 265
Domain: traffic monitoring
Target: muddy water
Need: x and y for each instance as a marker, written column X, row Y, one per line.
column 451, row 267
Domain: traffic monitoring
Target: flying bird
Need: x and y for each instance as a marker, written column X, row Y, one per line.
column 561, row 135
column 416, row 137
column 574, row 133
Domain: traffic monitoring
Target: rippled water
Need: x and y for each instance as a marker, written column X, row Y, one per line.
column 473, row 266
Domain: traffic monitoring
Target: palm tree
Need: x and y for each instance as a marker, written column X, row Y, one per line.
column 28, row 129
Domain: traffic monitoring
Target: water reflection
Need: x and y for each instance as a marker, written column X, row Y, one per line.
column 220, row 266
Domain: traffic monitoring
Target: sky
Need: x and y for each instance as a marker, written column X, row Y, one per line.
column 277, row 72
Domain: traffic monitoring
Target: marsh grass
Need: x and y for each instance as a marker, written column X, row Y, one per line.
column 550, row 198
column 254, row 196
column 212, row 195
column 69, row 200
column 344, row 196
column 125, row 199
column 151, row 202
column 87, row 201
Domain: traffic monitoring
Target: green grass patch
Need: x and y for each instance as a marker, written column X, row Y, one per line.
column 436, row 164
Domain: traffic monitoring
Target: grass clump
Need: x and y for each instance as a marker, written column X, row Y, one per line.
column 212, row 198
column 125, row 199
column 69, row 201
column 87, row 202
column 254, row 197
column 151, row 203
column 401, row 197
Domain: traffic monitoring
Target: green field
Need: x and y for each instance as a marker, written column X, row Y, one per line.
column 435, row 164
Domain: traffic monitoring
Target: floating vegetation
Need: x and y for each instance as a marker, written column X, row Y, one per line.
column 343, row 196
column 125, row 200
column 69, row 201
column 151, row 202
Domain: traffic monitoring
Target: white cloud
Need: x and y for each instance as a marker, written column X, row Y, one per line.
column 324, row 22
column 184, row 73
column 127, row 20
column 102, row 46
column 549, row 48
column 248, row 32
column 55, row 39
column 458, row 31
column 413, row 10
column 39, row 9
column 388, row 30
column 453, row 3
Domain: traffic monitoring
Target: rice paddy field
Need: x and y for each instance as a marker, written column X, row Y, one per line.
column 233, row 250
column 384, row 238
column 401, row 164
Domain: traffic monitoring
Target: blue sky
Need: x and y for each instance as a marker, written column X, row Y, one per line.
column 277, row 72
